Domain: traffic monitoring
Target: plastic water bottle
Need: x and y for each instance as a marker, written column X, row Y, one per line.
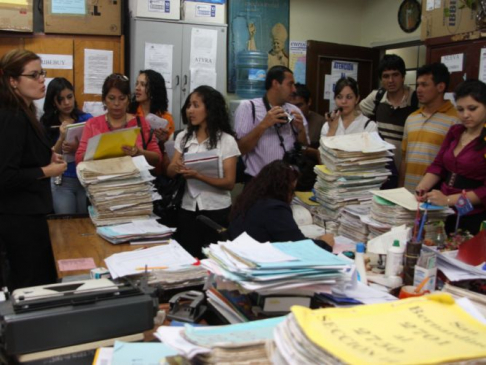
column 359, row 263
column 394, row 259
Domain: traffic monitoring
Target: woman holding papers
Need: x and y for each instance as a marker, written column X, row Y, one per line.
column 461, row 161
column 26, row 164
column 347, row 119
column 263, row 208
column 208, row 131
column 61, row 110
column 115, row 95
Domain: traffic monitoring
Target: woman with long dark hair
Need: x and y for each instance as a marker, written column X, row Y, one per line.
column 61, row 110
column 26, row 164
column 263, row 209
column 461, row 161
column 208, row 128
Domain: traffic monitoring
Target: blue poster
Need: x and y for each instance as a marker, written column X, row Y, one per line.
column 258, row 25
column 74, row 7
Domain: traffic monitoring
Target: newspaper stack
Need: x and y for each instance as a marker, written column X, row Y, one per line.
column 143, row 231
column 120, row 189
column 244, row 343
column 352, row 165
column 352, row 225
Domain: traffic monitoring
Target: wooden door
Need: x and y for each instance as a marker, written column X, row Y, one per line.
column 60, row 46
column 471, row 49
column 320, row 56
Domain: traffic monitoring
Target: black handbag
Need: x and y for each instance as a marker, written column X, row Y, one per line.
column 167, row 208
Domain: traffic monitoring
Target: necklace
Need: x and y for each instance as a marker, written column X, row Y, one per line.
column 110, row 126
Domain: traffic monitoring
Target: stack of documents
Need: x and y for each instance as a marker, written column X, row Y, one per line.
column 206, row 163
column 170, row 258
column 424, row 330
column 272, row 268
column 352, row 165
column 244, row 343
column 396, row 207
column 351, row 222
column 144, row 231
column 120, row 189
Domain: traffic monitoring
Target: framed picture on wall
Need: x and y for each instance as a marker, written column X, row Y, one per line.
column 257, row 25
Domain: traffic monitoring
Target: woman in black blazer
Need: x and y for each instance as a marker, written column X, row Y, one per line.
column 26, row 164
column 263, row 208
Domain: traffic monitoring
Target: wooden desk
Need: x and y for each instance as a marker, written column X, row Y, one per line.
column 74, row 238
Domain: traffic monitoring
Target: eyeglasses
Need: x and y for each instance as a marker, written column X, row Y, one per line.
column 36, row 74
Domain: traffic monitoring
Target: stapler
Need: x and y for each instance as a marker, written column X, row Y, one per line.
column 187, row 306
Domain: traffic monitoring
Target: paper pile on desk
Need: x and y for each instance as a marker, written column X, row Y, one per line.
column 120, row 189
column 142, row 230
column 352, row 165
column 385, row 333
column 170, row 257
column 396, row 207
column 243, row 343
column 273, row 267
column 351, row 222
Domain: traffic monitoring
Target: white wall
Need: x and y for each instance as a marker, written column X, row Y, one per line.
column 379, row 25
column 335, row 21
column 367, row 23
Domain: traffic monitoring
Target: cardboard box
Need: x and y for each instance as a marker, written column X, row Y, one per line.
column 447, row 20
column 158, row 9
column 15, row 17
column 98, row 17
column 204, row 12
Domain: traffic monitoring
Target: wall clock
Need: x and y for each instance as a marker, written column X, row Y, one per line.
column 409, row 15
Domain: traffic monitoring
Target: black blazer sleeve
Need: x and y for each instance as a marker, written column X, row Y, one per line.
column 23, row 151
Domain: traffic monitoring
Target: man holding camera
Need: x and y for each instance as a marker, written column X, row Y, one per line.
column 267, row 128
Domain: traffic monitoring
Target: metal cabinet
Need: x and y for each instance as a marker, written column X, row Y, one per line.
column 178, row 34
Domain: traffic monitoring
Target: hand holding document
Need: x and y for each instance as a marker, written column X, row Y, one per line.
column 156, row 122
column 108, row 145
column 73, row 134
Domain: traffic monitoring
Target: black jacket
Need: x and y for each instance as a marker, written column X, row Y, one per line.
column 270, row 220
column 23, row 151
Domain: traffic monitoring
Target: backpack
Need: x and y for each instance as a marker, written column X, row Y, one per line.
column 379, row 96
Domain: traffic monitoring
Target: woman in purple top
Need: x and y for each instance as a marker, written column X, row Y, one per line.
column 461, row 161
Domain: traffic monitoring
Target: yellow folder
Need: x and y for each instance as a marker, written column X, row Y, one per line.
column 424, row 330
column 109, row 145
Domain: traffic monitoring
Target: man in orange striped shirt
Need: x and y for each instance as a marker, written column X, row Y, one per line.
column 426, row 128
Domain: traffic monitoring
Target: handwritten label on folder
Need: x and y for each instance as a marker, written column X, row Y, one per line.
column 430, row 329
column 76, row 264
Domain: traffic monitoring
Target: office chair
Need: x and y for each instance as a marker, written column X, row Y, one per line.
column 223, row 234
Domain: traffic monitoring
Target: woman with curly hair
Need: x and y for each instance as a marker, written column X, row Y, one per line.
column 208, row 128
column 263, row 208
column 61, row 110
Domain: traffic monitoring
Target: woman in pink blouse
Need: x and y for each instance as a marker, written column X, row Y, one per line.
column 115, row 95
column 461, row 161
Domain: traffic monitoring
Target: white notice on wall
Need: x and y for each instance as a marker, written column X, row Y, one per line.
column 430, row 5
column 438, row 4
column 56, row 61
column 94, row 108
column 339, row 70
column 98, row 64
column 204, row 44
column 482, row 65
column 453, row 62
column 158, row 57
column 202, row 76
column 328, row 90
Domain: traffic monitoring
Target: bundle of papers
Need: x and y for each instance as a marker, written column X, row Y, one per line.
column 269, row 268
column 396, row 207
column 169, row 258
column 145, row 231
column 120, row 189
column 243, row 343
column 207, row 163
column 74, row 133
column 351, row 224
column 386, row 333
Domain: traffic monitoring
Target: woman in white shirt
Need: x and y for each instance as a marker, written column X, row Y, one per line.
column 347, row 119
column 208, row 129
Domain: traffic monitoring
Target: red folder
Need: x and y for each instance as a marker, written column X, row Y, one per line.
column 473, row 251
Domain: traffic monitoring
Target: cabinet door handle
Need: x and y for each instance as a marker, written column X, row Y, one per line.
column 177, row 80
column 185, row 80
